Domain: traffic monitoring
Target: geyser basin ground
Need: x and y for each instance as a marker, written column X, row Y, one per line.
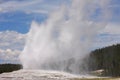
column 47, row 75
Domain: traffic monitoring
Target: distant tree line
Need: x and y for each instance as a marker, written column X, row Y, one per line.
column 107, row 58
column 9, row 67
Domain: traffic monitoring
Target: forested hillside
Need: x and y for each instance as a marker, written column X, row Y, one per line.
column 107, row 59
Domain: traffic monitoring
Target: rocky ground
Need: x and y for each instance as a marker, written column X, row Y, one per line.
column 47, row 75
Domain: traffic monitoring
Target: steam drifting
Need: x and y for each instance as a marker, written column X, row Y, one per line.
column 64, row 39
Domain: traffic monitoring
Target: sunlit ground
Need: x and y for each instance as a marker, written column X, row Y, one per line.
column 96, row 79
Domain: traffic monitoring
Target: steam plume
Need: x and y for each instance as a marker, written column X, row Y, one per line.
column 65, row 38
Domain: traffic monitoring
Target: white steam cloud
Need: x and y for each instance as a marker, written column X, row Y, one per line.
column 63, row 41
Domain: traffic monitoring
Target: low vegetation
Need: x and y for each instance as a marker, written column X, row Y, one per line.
column 96, row 79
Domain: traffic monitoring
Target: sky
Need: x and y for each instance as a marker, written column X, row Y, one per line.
column 16, row 17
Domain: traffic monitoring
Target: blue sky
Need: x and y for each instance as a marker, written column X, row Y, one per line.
column 19, row 18
column 16, row 16
column 19, row 21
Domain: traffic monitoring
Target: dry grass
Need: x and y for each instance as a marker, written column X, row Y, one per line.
column 95, row 79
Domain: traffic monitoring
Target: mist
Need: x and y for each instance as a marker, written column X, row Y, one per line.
column 66, row 37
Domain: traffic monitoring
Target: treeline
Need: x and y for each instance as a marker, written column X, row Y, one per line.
column 9, row 67
column 107, row 59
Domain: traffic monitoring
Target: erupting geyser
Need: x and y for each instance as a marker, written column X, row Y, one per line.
column 65, row 38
